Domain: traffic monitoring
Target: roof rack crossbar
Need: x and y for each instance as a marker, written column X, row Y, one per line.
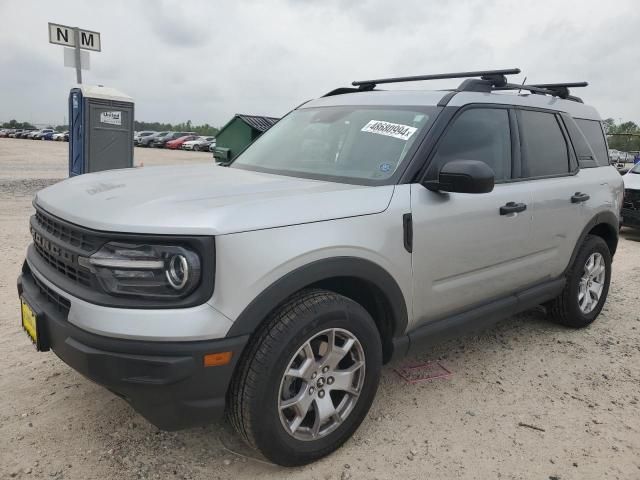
column 491, row 75
column 560, row 90
column 565, row 84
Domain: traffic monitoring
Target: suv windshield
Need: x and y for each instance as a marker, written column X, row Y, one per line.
column 636, row 168
column 342, row 143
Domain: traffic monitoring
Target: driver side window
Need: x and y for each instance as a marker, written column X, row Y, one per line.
column 479, row 134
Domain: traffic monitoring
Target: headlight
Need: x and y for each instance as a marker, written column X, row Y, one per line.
column 142, row 270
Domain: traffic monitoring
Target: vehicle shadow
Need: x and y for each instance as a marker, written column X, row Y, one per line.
column 632, row 234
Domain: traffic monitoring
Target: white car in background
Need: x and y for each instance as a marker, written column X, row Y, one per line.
column 630, row 214
column 198, row 144
column 59, row 137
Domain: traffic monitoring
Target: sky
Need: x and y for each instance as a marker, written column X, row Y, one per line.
column 206, row 60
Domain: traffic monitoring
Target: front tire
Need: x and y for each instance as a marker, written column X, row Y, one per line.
column 587, row 285
column 307, row 379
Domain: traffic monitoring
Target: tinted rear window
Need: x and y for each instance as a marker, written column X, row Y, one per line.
column 543, row 144
column 592, row 130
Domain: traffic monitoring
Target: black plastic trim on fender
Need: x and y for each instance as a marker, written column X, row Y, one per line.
column 607, row 218
column 477, row 318
column 314, row 272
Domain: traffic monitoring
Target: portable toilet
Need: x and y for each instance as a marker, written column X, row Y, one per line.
column 100, row 129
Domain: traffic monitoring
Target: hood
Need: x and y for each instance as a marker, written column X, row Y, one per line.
column 631, row 180
column 204, row 200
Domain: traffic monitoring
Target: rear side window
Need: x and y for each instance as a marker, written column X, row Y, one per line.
column 592, row 131
column 479, row 134
column 544, row 148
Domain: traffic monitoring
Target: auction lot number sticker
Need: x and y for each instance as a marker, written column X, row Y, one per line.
column 395, row 130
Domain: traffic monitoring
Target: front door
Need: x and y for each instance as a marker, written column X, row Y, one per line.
column 466, row 250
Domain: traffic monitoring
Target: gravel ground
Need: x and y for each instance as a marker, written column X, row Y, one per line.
column 580, row 390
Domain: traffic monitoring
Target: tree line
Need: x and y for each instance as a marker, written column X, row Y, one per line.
column 627, row 138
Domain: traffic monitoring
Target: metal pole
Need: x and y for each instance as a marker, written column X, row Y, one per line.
column 76, row 37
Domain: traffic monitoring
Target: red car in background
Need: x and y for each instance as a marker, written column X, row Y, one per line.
column 177, row 143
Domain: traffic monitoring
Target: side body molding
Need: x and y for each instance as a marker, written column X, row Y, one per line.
column 332, row 268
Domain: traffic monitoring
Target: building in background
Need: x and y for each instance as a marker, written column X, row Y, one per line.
column 239, row 132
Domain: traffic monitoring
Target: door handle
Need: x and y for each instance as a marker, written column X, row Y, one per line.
column 580, row 197
column 512, row 207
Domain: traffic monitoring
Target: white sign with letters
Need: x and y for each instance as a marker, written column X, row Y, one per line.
column 63, row 35
column 111, row 118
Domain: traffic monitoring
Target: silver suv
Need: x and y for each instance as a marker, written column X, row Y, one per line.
column 362, row 224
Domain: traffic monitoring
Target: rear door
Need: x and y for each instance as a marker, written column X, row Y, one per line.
column 559, row 195
column 466, row 252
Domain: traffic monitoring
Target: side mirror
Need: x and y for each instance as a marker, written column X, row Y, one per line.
column 463, row 176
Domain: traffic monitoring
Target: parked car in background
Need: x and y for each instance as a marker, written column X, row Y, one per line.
column 5, row 132
column 198, row 144
column 15, row 132
column 630, row 214
column 147, row 140
column 178, row 142
column 25, row 133
column 48, row 135
column 59, row 137
column 160, row 142
column 41, row 133
column 140, row 135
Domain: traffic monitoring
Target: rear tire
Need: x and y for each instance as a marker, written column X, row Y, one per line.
column 288, row 398
column 587, row 286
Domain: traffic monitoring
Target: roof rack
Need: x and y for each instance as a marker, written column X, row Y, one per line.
column 560, row 90
column 496, row 76
column 489, row 81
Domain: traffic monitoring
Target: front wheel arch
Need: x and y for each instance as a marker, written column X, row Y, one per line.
column 363, row 281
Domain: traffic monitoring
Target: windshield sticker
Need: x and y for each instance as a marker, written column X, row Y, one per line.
column 395, row 130
column 385, row 167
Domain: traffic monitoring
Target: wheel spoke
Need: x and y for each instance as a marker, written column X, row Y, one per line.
column 324, row 408
column 305, row 369
column 300, row 404
column 344, row 379
column 337, row 353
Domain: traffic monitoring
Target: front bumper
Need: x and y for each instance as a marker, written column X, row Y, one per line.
column 166, row 382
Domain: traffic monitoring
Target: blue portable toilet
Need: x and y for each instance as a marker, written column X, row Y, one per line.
column 101, row 124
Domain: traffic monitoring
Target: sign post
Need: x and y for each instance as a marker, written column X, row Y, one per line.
column 77, row 38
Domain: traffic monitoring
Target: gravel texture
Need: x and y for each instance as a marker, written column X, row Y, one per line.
column 526, row 400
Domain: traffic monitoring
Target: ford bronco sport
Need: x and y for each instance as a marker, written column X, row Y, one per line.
column 361, row 224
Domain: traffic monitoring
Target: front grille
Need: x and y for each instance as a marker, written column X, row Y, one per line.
column 65, row 233
column 66, row 267
column 62, row 304
column 60, row 244
column 631, row 199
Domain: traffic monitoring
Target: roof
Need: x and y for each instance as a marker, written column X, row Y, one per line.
column 107, row 93
column 262, row 124
column 433, row 97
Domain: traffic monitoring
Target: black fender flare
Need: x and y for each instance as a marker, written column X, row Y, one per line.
column 603, row 218
column 314, row 272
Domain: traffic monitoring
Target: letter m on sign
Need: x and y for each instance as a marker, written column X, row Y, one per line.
column 86, row 39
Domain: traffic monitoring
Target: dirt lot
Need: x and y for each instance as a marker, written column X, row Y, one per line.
column 580, row 389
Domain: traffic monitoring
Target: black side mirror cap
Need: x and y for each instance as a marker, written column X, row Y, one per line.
column 463, row 176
